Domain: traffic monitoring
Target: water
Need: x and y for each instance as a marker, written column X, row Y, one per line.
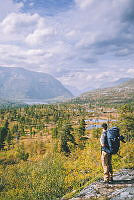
column 100, row 120
column 35, row 102
column 90, row 111
column 93, row 126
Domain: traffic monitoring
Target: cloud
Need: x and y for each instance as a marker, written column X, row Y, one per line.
column 83, row 4
column 78, row 79
column 19, row 23
column 38, row 36
column 9, row 6
column 129, row 14
column 89, row 43
column 47, row 7
column 130, row 71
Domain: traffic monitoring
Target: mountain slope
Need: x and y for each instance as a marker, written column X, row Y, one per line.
column 21, row 84
column 102, row 85
column 122, row 93
column 115, row 83
column 6, row 103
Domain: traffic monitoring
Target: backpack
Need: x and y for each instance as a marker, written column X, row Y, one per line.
column 113, row 139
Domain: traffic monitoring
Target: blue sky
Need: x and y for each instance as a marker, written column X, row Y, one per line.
column 45, row 7
column 82, row 43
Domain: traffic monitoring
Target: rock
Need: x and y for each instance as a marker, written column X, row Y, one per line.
column 122, row 188
column 124, row 194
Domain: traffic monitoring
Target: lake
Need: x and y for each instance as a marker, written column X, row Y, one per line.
column 92, row 126
column 100, row 120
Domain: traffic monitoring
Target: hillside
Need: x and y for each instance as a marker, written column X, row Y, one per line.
column 104, row 84
column 5, row 103
column 23, row 85
column 46, row 153
column 122, row 93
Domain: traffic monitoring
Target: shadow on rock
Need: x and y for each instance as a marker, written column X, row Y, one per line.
column 130, row 181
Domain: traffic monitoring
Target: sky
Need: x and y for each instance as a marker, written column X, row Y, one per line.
column 82, row 43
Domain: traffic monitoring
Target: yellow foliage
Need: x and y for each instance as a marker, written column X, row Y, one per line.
column 52, row 175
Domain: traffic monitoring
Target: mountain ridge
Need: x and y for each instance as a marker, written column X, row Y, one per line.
column 121, row 93
column 77, row 92
column 21, row 84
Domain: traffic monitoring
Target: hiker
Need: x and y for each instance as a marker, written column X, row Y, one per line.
column 110, row 145
column 106, row 158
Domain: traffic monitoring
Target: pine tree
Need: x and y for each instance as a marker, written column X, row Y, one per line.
column 82, row 128
column 66, row 137
column 3, row 134
column 126, row 121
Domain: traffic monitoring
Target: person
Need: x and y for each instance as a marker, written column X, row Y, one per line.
column 106, row 158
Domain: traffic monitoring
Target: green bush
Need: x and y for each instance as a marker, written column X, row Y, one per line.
column 21, row 154
column 44, row 180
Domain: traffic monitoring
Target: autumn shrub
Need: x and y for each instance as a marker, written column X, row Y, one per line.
column 21, row 153
column 56, row 174
column 51, row 178
column 84, row 165
column 44, row 180
column 126, row 155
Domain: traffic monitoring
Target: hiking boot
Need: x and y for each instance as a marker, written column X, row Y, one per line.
column 106, row 182
column 111, row 179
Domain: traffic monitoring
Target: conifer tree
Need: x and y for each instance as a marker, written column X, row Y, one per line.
column 3, row 134
column 66, row 137
column 126, row 121
column 82, row 128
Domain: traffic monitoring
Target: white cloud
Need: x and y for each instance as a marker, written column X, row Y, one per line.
column 35, row 52
column 86, row 45
column 8, row 6
column 130, row 71
column 19, row 23
column 83, row 3
column 38, row 36
column 71, row 33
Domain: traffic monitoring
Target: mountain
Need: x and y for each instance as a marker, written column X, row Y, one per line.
column 73, row 90
column 115, row 83
column 6, row 103
column 123, row 93
column 105, row 84
column 23, row 85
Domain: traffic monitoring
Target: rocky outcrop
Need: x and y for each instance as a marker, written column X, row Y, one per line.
column 122, row 188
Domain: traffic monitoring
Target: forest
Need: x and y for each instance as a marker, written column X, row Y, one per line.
column 47, row 151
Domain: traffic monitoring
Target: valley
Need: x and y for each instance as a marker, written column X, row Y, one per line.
column 43, row 143
column 57, row 142
column 66, row 67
